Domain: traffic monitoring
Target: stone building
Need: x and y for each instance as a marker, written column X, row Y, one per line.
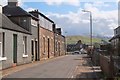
column 46, row 43
column 115, row 41
column 52, row 42
column 14, row 44
column 60, row 47
column 27, row 37
column 75, row 47
column 46, row 35
column 25, row 20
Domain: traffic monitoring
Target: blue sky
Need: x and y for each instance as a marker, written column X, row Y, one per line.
column 55, row 9
column 42, row 6
column 69, row 16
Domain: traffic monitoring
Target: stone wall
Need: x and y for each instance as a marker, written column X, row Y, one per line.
column 46, row 38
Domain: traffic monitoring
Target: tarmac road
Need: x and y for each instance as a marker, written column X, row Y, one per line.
column 63, row 67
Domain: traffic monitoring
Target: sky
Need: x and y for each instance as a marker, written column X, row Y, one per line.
column 68, row 14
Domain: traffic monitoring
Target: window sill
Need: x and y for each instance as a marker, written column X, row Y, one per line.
column 25, row 56
column 3, row 58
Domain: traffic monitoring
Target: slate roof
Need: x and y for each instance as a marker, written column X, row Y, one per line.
column 16, row 11
column 32, row 12
column 8, row 24
column 115, row 37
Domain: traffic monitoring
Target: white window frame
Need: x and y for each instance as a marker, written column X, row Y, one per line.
column 33, row 22
column 1, row 49
column 1, row 55
column 25, row 55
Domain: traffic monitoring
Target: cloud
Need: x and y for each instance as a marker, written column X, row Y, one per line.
column 30, row 9
column 100, row 4
column 3, row 2
column 76, row 23
column 97, row 3
column 60, row 2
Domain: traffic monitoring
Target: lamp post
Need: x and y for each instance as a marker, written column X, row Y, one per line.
column 90, row 27
column 66, row 43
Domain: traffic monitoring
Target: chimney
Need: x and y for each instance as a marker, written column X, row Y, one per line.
column 59, row 31
column 35, row 13
column 0, row 8
column 54, row 28
column 13, row 2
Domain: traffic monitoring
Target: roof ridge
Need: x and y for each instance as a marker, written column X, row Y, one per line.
column 10, row 10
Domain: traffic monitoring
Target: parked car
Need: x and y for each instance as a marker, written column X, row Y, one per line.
column 76, row 52
column 83, row 51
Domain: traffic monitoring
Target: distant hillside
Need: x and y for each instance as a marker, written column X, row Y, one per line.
column 84, row 39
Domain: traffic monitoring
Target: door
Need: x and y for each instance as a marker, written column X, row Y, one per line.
column 32, row 49
column 48, row 48
column 14, row 48
column 59, row 48
column 36, row 51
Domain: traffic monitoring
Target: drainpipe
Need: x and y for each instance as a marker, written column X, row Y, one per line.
column 54, row 31
column 38, row 41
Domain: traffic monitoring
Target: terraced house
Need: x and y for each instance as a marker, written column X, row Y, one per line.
column 60, row 47
column 14, row 43
column 27, row 36
column 25, row 20
column 48, row 37
column 116, row 53
column 46, row 34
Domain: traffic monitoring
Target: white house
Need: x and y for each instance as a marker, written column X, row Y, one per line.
column 15, row 44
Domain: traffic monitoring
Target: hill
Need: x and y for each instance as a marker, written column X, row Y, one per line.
column 84, row 39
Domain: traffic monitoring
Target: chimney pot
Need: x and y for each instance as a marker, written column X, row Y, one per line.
column 13, row 2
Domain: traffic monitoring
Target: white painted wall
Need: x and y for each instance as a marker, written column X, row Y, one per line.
column 9, row 49
column 0, row 15
column 0, row 9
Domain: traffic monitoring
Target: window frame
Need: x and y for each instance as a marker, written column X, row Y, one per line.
column 2, row 43
column 1, row 49
column 25, row 47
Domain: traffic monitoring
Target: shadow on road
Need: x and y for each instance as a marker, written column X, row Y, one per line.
column 78, row 59
column 89, row 76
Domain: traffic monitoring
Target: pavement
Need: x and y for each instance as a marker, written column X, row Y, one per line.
column 86, row 70
column 70, row 66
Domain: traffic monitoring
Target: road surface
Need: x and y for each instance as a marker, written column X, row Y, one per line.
column 64, row 67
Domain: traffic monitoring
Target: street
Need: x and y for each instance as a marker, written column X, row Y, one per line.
column 65, row 67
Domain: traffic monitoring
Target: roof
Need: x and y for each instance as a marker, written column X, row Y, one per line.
column 117, row 28
column 115, row 37
column 8, row 24
column 46, row 17
column 16, row 11
column 41, row 15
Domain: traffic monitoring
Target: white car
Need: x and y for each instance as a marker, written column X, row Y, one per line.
column 83, row 51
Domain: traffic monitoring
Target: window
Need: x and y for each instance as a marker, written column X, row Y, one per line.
column 116, row 31
column 23, row 21
column 44, row 43
column 41, row 21
column 25, row 45
column 45, row 23
column 56, row 45
column 2, row 44
column 33, row 22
